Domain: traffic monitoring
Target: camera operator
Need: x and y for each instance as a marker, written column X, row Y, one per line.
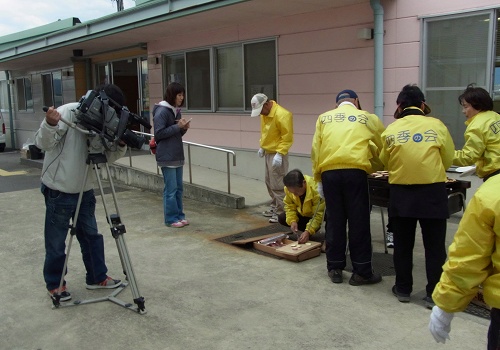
column 66, row 150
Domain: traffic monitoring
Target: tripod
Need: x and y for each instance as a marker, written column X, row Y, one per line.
column 117, row 231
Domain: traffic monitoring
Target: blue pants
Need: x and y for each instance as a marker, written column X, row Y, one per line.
column 172, row 194
column 60, row 208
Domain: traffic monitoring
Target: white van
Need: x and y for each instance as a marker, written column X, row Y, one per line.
column 2, row 133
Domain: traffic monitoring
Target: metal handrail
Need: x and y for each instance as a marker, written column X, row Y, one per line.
column 189, row 144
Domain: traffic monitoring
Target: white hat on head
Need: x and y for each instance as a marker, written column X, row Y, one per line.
column 257, row 103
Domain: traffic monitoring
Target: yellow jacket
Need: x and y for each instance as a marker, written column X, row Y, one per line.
column 342, row 140
column 417, row 150
column 474, row 255
column 276, row 130
column 293, row 206
column 482, row 143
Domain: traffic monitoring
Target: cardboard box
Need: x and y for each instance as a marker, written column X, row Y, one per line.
column 306, row 251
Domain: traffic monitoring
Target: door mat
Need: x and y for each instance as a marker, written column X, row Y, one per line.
column 382, row 263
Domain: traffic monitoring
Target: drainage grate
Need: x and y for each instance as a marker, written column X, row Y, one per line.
column 478, row 311
column 276, row 228
column 382, row 263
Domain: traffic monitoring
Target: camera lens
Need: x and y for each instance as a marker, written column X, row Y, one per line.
column 133, row 140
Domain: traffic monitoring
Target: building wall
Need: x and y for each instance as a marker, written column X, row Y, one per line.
column 319, row 54
column 402, row 41
column 27, row 122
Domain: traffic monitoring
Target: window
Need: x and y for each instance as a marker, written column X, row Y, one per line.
column 224, row 78
column 457, row 52
column 52, row 89
column 24, row 97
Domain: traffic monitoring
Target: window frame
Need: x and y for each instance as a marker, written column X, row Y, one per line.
column 214, row 84
column 53, row 101
column 451, row 115
column 25, row 90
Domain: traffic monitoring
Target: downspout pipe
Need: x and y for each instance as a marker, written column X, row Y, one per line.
column 11, row 113
column 378, row 41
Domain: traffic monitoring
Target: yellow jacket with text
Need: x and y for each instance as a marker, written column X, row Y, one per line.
column 346, row 138
column 482, row 143
column 293, row 206
column 474, row 255
column 417, row 149
column 276, row 130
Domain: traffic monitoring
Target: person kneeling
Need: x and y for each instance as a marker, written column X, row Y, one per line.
column 303, row 206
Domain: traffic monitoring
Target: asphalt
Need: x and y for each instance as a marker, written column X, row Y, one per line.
column 200, row 293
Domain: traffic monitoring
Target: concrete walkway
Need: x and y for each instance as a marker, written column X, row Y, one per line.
column 202, row 294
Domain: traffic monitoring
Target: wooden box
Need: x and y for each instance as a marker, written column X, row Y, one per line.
column 306, row 251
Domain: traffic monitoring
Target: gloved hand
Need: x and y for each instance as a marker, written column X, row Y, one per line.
column 277, row 160
column 261, row 152
column 320, row 190
column 440, row 324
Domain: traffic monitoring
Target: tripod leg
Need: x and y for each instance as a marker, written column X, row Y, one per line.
column 117, row 231
column 72, row 230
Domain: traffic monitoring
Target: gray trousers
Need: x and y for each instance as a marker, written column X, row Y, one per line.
column 274, row 180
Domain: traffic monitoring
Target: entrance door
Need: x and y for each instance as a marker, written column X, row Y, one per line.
column 131, row 76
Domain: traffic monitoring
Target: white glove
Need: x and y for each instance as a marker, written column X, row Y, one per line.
column 277, row 160
column 440, row 324
column 261, row 152
column 320, row 190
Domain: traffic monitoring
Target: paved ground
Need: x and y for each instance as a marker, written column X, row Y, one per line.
column 201, row 294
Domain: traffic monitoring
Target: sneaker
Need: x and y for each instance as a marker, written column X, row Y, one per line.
column 177, row 224
column 389, row 237
column 274, row 219
column 184, row 222
column 108, row 283
column 336, row 276
column 429, row 303
column 269, row 213
column 63, row 296
column 357, row 280
column 402, row 297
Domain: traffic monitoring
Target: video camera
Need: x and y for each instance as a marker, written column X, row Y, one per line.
column 95, row 114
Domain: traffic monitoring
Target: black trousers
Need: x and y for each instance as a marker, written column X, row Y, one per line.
column 494, row 330
column 302, row 223
column 433, row 236
column 348, row 205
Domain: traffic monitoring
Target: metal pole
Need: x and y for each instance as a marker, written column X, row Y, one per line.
column 189, row 161
column 228, row 175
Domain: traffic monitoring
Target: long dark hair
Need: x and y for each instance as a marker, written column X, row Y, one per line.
column 173, row 89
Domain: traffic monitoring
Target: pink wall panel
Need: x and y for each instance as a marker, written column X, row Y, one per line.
column 408, row 55
column 330, row 83
column 408, row 30
column 325, row 61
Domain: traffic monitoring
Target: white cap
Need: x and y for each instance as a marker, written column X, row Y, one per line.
column 258, row 101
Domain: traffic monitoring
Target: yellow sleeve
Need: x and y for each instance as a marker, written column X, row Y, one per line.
column 469, row 258
column 316, row 146
column 290, row 208
column 286, row 128
column 315, row 223
column 473, row 149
